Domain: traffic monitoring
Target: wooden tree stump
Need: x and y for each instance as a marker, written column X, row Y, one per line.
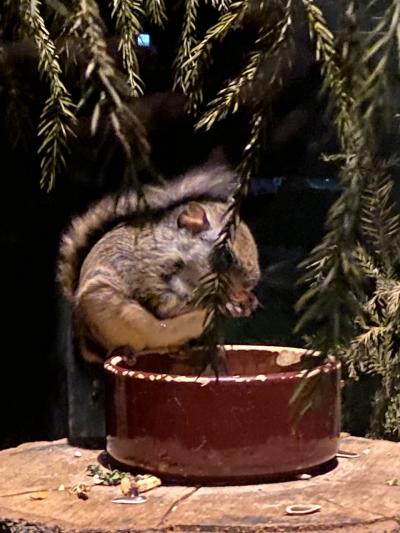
column 355, row 497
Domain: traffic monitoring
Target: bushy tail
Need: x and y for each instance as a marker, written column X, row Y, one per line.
column 210, row 182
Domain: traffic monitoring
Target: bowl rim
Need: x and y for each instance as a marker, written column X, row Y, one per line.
column 112, row 366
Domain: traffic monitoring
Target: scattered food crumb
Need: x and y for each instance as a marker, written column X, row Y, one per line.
column 302, row 509
column 77, row 453
column 304, row 476
column 81, row 490
column 39, row 495
column 126, row 485
column 147, row 482
column 392, row 482
column 61, row 487
column 367, row 451
column 104, row 476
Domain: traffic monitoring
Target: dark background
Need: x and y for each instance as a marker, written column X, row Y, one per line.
column 286, row 207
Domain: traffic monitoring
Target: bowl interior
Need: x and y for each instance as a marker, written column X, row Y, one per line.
column 239, row 361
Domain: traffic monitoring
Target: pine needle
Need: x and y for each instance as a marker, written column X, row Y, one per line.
column 58, row 116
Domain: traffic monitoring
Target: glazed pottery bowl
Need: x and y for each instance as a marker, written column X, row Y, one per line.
column 164, row 419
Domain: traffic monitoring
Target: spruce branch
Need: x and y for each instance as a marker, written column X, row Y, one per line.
column 221, row 5
column 127, row 14
column 364, row 209
column 103, row 78
column 362, row 238
column 391, row 427
column 379, row 223
column 229, row 98
column 191, row 69
column 57, row 118
column 333, row 298
column 378, row 46
column 188, row 42
column 86, row 28
column 327, row 56
column 375, row 348
column 156, row 12
column 245, row 170
column 214, row 291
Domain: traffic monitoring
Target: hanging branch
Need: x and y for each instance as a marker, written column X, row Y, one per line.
column 127, row 14
column 213, row 292
column 228, row 101
column 230, row 97
column 376, row 348
column 378, row 47
column 155, row 10
column 353, row 273
column 87, row 27
column 331, row 271
column 57, row 118
column 221, row 5
column 188, row 42
column 191, row 70
column 380, row 224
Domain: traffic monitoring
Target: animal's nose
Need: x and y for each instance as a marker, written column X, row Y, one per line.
column 241, row 296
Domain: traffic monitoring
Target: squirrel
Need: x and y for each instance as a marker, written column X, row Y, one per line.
column 130, row 270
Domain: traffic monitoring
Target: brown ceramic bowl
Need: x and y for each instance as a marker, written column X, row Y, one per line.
column 163, row 419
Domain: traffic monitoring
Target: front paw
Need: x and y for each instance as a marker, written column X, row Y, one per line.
column 126, row 353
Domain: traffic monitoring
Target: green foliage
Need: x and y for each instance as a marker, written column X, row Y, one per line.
column 351, row 300
column 194, row 57
column 57, row 118
column 273, row 36
column 155, row 10
column 344, row 311
column 331, row 272
column 79, row 39
column 86, row 27
column 127, row 14
column 353, row 296
column 188, row 42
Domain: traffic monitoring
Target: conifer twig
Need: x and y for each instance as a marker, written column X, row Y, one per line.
column 58, row 115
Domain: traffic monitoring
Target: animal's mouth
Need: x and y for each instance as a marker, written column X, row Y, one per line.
column 242, row 303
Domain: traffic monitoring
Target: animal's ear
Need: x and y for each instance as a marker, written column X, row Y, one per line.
column 194, row 218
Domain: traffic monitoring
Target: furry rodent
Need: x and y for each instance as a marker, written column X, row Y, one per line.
column 130, row 272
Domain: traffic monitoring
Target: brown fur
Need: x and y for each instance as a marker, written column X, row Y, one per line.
column 136, row 284
column 207, row 182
